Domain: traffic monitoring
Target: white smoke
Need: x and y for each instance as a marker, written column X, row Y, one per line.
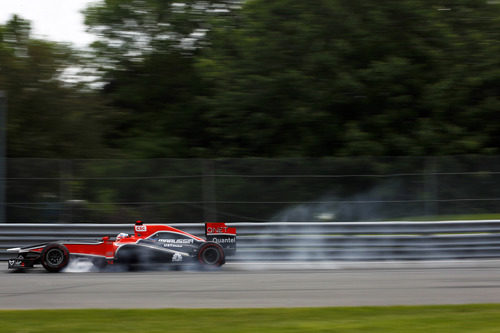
column 378, row 203
column 306, row 241
column 80, row 265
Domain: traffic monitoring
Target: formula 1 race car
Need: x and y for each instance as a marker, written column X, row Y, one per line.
column 151, row 244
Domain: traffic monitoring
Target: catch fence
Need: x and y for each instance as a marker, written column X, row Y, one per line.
column 254, row 190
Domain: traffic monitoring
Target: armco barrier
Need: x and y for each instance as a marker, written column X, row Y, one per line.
column 278, row 241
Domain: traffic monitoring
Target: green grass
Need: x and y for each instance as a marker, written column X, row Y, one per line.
column 457, row 318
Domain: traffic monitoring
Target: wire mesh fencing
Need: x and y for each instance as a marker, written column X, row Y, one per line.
column 253, row 190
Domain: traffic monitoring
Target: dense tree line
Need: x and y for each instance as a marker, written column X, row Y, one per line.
column 47, row 116
column 282, row 78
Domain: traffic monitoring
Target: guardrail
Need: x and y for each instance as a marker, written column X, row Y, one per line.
column 354, row 241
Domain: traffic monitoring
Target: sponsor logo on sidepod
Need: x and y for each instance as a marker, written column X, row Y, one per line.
column 177, row 241
column 177, row 257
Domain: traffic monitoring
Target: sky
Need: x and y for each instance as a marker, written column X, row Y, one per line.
column 56, row 20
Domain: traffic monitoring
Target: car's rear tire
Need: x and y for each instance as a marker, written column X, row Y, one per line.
column 211, row 255
column 54, row 257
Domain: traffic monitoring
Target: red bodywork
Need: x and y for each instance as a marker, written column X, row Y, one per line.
column 106, row 249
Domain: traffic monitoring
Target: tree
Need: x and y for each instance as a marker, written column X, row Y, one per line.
column 145, row 52
column 323, row 78
column 47, row 117
column 129, row 29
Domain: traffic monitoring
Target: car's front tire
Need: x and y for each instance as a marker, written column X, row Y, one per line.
column 54, row 257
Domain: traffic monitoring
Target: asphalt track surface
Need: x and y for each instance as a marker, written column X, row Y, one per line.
column 257, row 285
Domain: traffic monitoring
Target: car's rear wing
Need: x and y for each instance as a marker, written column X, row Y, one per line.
column 223, row 235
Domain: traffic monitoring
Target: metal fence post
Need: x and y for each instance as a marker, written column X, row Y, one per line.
column 3, row 157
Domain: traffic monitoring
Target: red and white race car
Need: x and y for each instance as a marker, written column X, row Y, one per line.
column 151, row 244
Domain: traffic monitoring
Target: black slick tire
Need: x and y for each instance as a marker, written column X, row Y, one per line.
column 54, row 257
column 211, row 255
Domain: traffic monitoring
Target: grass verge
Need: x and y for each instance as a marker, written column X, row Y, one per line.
column 448, row 318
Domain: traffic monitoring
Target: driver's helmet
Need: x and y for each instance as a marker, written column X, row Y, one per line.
column 121, row 235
